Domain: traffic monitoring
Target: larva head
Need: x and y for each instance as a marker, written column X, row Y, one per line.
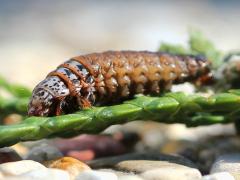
column 41, row 103
column 46, row 96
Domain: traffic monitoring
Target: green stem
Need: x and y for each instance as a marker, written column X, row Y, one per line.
column 192, row 110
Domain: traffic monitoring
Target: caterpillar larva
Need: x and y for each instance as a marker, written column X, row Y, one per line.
column 112, row 76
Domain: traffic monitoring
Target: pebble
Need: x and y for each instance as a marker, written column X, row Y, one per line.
column 159, row 170
column 43, row 152
column 12, row 119
column 73, row 166
column 20, row 149
column 112, row 161
column 20, row 167
column 140, row 166
column 130, row 177
column 84, row 155
column 96, row 175
column 228, row 163
column 118, row 173
column 47, row 174
column 204, row 152
column 219, row 176
column 8, row 155
column 17, row 178
column 171, row 173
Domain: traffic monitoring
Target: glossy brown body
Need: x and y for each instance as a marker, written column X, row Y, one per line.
column 118, row 75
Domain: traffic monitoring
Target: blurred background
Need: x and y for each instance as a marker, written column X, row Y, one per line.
column 36, row 36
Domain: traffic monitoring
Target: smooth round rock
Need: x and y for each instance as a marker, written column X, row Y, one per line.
column 43, row 152
column 69, row 164
column 219, row 176
column 228, row 163
column 47, row 174
column 140, row 166
column 118, row 173
column 17, row 178
column 112, row 161
column 172, row 173
column 130, row 177
column 20, row 167
column 96, row 175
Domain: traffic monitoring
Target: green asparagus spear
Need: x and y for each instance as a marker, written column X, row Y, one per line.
column 192, row 110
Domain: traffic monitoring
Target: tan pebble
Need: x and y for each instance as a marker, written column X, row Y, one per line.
column 20, row 149
column 73, row 166
column 12, row 119
column 172, row 147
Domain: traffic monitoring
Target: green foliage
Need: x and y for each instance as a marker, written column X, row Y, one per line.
column 198, row 44
column 173, row 48
column 18, row 101
column 16, row 90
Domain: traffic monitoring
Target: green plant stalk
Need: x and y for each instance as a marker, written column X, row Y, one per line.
column 14, row 105
column 16, row 90
column 192, row 110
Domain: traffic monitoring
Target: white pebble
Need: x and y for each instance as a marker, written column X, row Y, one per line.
column 227, row 163
column 219, row 176
column 172, row 173
column 96, row 175
column 129, row 177
column 19, row 167
column 47, row 174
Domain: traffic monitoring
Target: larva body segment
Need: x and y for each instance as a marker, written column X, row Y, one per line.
column 112, row 76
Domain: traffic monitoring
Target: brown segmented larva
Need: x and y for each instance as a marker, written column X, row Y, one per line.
column 112, row 76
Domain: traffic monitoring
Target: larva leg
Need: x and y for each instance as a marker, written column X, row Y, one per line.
column 86, row 103
column 83, row 102
column 59, row 110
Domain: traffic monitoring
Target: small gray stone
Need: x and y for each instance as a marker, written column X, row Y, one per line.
column 8, row 155
column 228, row 163
column 219, row 176
column 205, row 151
column 172, row 173
column 96, row 175
column 43, row 152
